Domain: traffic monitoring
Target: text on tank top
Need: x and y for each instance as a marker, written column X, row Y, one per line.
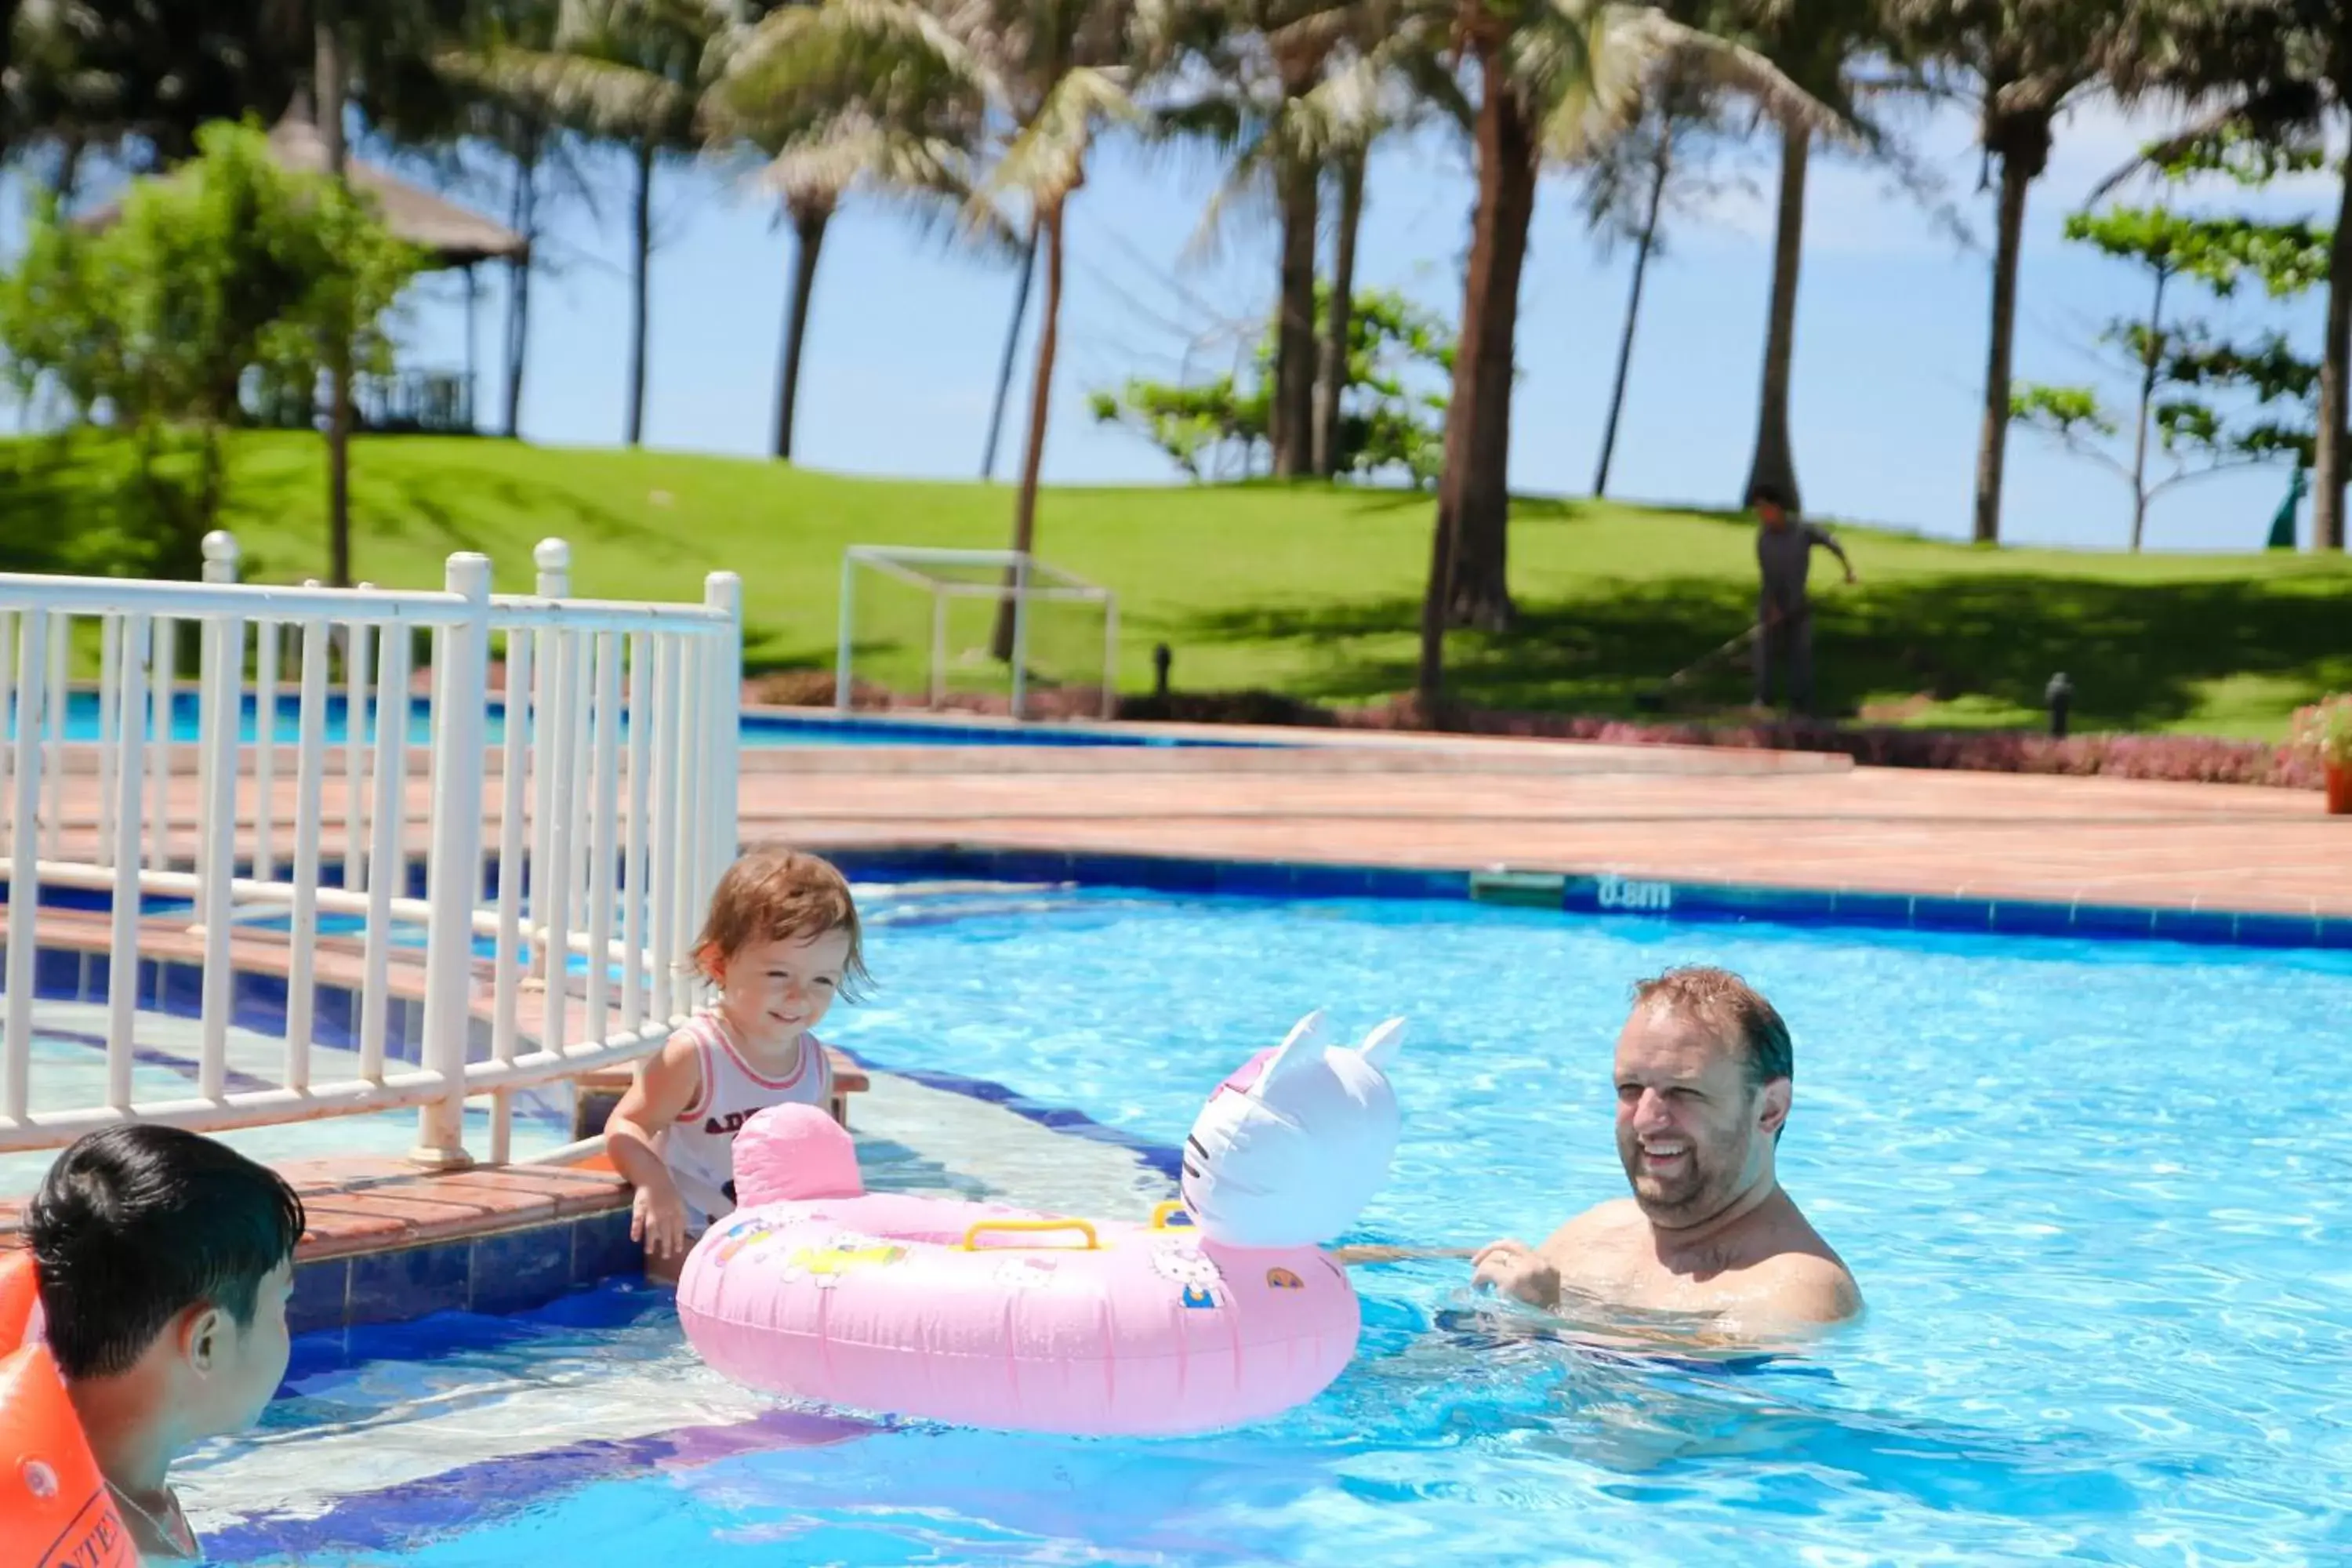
column 698, row 1147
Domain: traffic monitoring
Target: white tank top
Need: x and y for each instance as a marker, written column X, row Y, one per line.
column 699, row 1146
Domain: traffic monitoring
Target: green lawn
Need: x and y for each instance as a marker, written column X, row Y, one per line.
column 1306, row 590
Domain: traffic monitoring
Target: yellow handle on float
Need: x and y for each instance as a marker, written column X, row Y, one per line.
column 1162, row 1213
column 1032, row 1228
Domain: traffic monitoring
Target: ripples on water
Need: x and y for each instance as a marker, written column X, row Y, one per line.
column 2095, row 1196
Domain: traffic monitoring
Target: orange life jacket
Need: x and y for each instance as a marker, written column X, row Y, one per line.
column 55, row 1509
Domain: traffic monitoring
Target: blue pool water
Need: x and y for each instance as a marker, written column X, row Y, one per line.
column 758, row 730
column 2097, row 1196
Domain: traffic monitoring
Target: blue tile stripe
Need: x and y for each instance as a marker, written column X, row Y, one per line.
column 501, row 1271
column 1597, row 894
column 1153, row 873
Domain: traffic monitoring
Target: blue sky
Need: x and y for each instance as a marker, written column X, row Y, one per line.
column 906, row 331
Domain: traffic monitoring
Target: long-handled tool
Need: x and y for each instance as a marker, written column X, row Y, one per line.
column 1655, row 699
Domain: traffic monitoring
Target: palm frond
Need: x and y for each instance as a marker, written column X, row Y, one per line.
column 889, row 59
column 800, row 41
column 1302, row 43
column 1243, row 201
column 1046, row 158
column 597, row 97
column 1578, row 76
column 1345, row 112
column 1650, row 40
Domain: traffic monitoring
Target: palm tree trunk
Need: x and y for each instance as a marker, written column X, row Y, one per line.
column 1004, row 366
column 1476, row 432
column 328, row 65
column 1331, row 377
column 808, row 235
column 525, row 222
column 1774, row 465
column 1293, row 359
column 69, row 151
column 641, row 260
column 2333, row 457
column 1481, row 586
column 1040, row 402
column 2151, row 360
column 1661, row 170
column 1992, row 445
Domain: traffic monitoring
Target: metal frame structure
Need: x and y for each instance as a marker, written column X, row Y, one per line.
column 1029, row 580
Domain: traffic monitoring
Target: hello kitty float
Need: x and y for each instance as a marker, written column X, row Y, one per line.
column 1219, row 1310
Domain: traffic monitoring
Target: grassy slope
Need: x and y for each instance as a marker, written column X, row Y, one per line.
column 1308, row 590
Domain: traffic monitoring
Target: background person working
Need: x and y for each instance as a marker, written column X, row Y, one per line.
column 1784, row 553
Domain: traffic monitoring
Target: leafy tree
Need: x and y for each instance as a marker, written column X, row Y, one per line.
column 2283, row 69
column 2019, row 65
column 1392, row 409
column 2209, row 403
column 233, row 273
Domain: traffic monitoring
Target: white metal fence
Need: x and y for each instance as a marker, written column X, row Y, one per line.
column 566, row 837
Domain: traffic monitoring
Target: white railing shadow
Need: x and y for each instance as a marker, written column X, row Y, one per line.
column 571, row 830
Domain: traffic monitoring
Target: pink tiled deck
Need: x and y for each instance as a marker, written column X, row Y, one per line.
column 1981, row 835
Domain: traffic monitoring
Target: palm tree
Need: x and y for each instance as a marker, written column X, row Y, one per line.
column 1553, row 77
column 1811, row 42
column 1626, row 189
column 1398, row 82
column 2020, row 63
column 861, row 123
column 1268, row 64
column 1045, row 77
column 630, row 71
column 1349, row 168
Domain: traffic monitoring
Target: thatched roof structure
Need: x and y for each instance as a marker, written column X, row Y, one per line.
column 453, row 235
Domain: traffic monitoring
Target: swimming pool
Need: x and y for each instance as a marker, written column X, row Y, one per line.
column 2096, row 1194
column 758, row 730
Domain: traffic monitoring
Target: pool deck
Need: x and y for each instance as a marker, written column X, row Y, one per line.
column 1678, row 813
column 1763, row 819
column 390, row 1240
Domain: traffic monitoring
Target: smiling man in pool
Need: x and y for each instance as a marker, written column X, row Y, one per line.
column 1703, row 1072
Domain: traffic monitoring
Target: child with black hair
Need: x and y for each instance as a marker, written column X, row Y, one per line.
column 165, row 1259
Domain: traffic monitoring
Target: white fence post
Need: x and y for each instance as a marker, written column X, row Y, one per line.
column 454, row 873
column 219, row 697
column 553, row 558
column 722, row 732
column 24, row 888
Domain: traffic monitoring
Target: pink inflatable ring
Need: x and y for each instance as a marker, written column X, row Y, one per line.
column 989, row 1316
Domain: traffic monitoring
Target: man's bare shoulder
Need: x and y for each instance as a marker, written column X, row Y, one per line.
column 1806, row 1283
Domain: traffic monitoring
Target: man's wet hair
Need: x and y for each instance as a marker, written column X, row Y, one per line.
column 1724, row 1001
column 135, row 1224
